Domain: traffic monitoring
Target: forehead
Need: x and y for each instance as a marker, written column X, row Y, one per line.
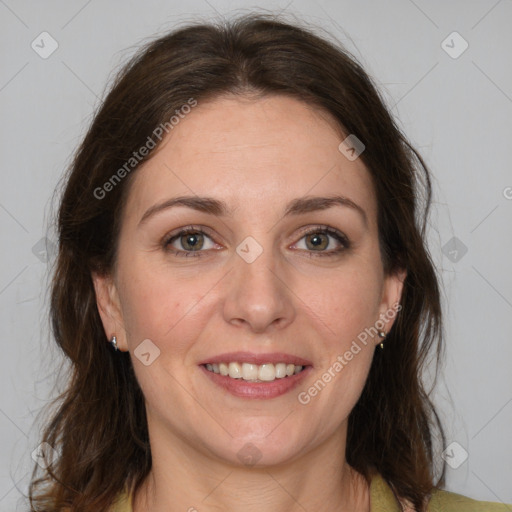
column 260, row 153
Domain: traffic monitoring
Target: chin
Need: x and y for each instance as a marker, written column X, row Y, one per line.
column 261, row 451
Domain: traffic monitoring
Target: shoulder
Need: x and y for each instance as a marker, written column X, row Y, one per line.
column 382, row 499
column 122, row 503
column 444, row 501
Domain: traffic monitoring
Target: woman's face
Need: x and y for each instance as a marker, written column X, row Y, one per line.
column 270, row 268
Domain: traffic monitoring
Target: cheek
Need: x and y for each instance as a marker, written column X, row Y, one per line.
column 162, row 307
column 346, row 301
column 349, row 303
column 347, row 306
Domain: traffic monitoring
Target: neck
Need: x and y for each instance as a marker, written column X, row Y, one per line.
column 183, row 479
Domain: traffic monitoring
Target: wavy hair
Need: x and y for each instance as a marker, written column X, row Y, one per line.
column 99, row 427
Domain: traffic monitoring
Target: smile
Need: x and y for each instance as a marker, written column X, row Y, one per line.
column 267, row 372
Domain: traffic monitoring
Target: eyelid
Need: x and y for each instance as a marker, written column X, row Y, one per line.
column 169, row 238
column 193, row 228
column 323, row 227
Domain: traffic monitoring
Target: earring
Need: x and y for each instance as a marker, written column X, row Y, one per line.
column 113, row 342
column 382, row 336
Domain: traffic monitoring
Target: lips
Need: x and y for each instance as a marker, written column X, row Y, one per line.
column 263, row 386
column 259, row 359
column 256, row 390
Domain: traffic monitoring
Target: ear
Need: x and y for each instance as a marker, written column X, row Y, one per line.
column 109, row 308
column 391, row 296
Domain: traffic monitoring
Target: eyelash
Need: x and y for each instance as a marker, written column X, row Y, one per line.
column 340, row 237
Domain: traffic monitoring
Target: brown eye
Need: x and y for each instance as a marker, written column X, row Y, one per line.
column 192, row 241
column 189, row 242
column 323, row 241
column 317, row 241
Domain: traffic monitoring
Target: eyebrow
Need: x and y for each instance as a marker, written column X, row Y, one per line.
column 213, row 206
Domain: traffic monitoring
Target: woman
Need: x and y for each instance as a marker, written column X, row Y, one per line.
column 243, row 289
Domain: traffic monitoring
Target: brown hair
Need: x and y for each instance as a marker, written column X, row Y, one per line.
column 99, row 428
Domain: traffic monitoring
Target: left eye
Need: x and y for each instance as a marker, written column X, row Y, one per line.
column 318, row 240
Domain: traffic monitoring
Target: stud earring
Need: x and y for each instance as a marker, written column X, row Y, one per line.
column 382, row 336
column 113, row 342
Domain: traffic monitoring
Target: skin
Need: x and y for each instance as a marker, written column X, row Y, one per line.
column 256, row 155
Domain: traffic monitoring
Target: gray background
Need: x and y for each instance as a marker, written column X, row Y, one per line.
column 457, row 111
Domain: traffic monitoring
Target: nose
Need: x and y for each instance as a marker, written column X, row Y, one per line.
column 258, row 295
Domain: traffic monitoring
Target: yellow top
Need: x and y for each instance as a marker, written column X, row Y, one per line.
column 382, row 499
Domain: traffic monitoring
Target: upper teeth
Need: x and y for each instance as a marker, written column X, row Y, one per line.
column 254, row 372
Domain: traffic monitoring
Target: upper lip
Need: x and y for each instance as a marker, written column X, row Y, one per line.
column 259, row 359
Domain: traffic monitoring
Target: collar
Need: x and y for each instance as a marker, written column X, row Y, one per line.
column 382, row 498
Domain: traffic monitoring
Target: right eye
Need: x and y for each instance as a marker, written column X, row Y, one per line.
column 190, row 240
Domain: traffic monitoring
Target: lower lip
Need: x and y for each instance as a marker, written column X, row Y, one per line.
column 257, row 390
